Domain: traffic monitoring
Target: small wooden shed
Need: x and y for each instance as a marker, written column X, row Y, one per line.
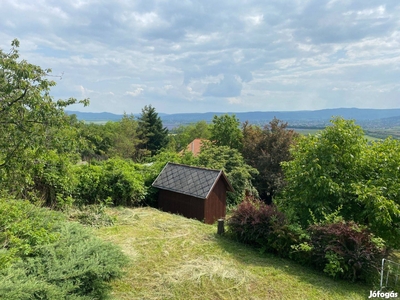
column 193, row 192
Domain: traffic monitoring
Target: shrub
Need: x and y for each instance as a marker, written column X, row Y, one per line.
column 291, row 241
column 340, row 249
column 256, row 223
column 24, row 226
column 45, row 257
column 252, row 221
column 346, row 250
column 54, row 179
column 115, row 181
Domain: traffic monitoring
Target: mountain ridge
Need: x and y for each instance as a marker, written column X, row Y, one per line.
column 294, row 118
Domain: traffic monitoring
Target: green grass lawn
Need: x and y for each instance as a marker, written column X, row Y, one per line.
column 172, row 257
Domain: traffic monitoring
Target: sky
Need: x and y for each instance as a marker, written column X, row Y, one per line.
column 184, row 56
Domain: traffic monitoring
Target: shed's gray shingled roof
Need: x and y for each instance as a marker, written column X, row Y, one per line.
column 192, row 181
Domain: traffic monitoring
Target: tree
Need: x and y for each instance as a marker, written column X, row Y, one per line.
column 98, row 140
column 184, row 134
column 151, row 131
column 225, row 131
column 27, row 116
column 232, row 163
column 265, row 149
column 377, row 191
column 125, row 139
column 339, row 172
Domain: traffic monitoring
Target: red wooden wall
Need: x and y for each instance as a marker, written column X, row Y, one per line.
column 215, row 204
column 208, row 210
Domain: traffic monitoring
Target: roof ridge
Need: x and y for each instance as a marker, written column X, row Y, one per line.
column 189, row 180
column 195, row 167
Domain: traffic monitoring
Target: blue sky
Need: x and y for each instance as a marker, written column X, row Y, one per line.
column 206, row 55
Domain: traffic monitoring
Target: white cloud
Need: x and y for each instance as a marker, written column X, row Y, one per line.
column 188, row 56
column 135, row 93
column 255, row 19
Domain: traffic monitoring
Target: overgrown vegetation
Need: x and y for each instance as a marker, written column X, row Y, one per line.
column 340, row 249
column 111, row 182
column 339, row 170
column 43, row 256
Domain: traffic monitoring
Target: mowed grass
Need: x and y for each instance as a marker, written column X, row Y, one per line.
column 172, row 257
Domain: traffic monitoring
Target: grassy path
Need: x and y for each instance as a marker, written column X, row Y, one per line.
column 176, row 258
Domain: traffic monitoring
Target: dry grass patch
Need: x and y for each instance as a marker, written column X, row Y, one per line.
column 172, row 257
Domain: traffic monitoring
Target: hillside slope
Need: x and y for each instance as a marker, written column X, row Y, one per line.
column 176, row 258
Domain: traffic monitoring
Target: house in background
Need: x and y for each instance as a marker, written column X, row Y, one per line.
column 195, row 146
column 193, row 192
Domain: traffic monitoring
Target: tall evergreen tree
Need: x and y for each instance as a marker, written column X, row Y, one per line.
column 151, row 131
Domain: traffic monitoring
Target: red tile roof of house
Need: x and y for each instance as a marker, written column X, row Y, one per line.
column 195, row 146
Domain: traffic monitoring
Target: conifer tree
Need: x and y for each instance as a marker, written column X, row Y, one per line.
column 151, row 131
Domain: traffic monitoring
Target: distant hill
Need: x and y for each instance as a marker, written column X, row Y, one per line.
column 386, row 122
column 97, row 117
column 305, row 118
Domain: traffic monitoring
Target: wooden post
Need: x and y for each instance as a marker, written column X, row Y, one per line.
column 221, row 228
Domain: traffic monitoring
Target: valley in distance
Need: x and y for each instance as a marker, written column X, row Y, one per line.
column 377, row 123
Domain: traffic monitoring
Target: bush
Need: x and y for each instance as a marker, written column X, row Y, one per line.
column 115, row 181
column 54, row 179
column 45, row 257
column 346, row 250
column 23, row 227
column 340, row 249
column 256, row 223
column 252, row 221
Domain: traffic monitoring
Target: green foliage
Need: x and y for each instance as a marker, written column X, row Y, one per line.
column 114, row 181
column 232, row 163
column 184, row 134
column 339, row 168
column 23, row 227
column 98, row 140
column 265, row 149
column 334, row 265
column 53, row 180
column 125, row 140
column 113, row 139
column 225, row 131
column 28, row 116
column 323, row 169
column 342, row 250
column 45, row 257
column 346, row 250
column 378, row 190
column 152, row 134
